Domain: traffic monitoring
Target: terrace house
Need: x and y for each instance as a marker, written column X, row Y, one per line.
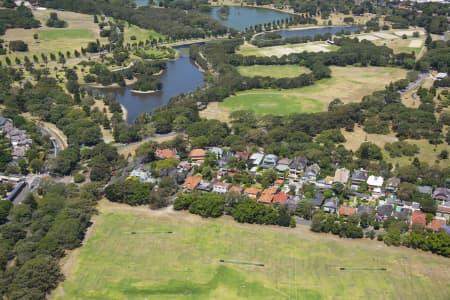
column 297, row 167
column 270, row 161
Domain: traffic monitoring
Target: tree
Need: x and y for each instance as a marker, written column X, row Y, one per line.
column 305, row 209
column 369, row 151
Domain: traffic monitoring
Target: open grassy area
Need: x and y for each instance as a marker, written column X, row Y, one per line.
column 286, row 71
column 349, row 84
column 249, row 49
column 80, row 31
column 428, row 153
column 298, row 264
column 140, row 34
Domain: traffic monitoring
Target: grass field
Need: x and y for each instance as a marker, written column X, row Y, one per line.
column 349, row 84
column 80, row 31
column 298, row 264
column 248, row 49
column 286, row 71
column 140, row 34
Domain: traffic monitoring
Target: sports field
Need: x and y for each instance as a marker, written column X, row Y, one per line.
column 349, row 84
column 286, row 71
column 298, row 264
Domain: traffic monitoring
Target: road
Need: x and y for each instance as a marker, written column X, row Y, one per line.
column 415, row 84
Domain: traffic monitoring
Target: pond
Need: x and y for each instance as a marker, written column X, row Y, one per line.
column 242, row 17
column 180, row 76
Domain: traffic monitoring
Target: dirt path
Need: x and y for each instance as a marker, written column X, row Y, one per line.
column 51, row 128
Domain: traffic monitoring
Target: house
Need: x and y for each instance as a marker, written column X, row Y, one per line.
column 359, row 177
column 331, row 205
column 280, row 198
column 341, row 175
column 418, row 218
column 347, row 211
column 384, row 211
column 425, row 189
column 441, row 194
column 318, row 199
column 283, row 165
column 143, row 176
column 166, row 153
column 270, row 161
column 197, row 155
column 235, row 189
column 365, row 209
column 392, row 184
column 437, row 224
column 443, row 210
column 218, row 152
column 223, row 161
column 311, row 173
column 297, row 167
column 205, row 186
column 221, row 187
column 362, row 196
column 403, row 214
column 252, row 193
column 375, row 182
column 256, row 158
column 268, row 194
column 191, row 183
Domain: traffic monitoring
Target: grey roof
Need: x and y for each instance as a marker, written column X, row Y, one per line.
column 3, row 121
column 317, row 200
column 385, row 210
column 332, row 203
column 359, row 175
column 425, row 189
column 299, row 163
column 285, row 161
column 442, row 193
column 403, row 214
column 365, row 208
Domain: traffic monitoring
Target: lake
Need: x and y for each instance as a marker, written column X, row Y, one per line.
column 180, row 76
column 242, row 17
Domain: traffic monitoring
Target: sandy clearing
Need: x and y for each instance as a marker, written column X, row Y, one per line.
column 384, row 35
column 415, row 43
column 368, row 37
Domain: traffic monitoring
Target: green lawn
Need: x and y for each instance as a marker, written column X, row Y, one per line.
column 298, row 264
column 55, row 34
column 286, row 71
column 141, row 34
column 349, row 84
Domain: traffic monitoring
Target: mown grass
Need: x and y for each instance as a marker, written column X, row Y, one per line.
column 298, row 264
column 349, row 84
column 285, row 71
column 49, row 34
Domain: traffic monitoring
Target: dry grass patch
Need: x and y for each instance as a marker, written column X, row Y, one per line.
column 214, row 112
column 249, row 49
column 359, row 136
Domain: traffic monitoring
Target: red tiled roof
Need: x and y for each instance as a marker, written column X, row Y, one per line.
column 419, row 218
column 436, row 224
column 252, row 191
column 268, row 194
column 347, row 210
column 222, row 184
column 197, row 153
column 281, row 198
column 192, row 182
column 166, row 153
column 443, row 208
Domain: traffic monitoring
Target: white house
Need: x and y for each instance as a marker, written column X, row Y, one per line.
column 221, row 187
